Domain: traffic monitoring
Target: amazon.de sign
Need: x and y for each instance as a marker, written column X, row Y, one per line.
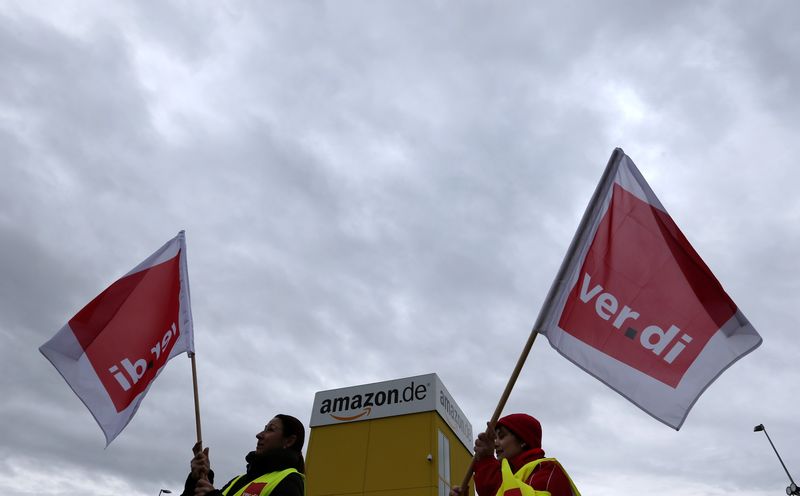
column 416, row 394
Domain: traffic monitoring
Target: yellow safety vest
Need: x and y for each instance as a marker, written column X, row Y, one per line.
column 261, row 486
column 514, row 485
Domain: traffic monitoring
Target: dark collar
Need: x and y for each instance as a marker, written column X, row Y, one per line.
column 271, row 461
column 525, row 457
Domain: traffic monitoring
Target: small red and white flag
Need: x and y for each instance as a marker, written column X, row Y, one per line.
column 635, row 306
column 112, row 350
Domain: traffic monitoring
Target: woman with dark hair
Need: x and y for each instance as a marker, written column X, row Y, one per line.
column 275, row 468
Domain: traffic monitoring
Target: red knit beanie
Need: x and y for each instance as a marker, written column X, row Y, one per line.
column 525, row 427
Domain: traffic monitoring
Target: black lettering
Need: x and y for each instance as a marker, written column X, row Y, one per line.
column 452, row 411
column 390, row 396
column 341, row 404
column 410, row 391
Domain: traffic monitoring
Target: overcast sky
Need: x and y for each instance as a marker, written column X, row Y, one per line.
column 375, row 190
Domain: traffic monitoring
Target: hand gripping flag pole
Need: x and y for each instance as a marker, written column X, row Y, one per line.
column 576, row 241
column 112, row 350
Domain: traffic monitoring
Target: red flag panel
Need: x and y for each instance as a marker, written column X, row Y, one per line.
column 128, row 331
column 643, row 295
column 111, row 351
column 634, row 304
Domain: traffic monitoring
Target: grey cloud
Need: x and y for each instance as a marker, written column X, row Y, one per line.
column 373, row 191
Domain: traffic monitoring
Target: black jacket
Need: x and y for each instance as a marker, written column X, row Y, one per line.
column 258, row 465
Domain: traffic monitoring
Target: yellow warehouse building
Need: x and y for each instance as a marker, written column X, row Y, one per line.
column 404, row 437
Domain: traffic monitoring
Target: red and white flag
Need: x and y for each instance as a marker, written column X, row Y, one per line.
column 111, row 351
column 636, row 307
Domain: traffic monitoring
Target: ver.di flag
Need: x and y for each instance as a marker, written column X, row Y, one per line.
column 111, row 351
column 635, row 306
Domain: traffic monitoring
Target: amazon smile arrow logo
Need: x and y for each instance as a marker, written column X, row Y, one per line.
column 367, row 411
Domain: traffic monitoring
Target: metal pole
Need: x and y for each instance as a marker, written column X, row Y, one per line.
column 760, row 427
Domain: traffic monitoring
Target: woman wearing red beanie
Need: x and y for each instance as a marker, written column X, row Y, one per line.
column 517, row 440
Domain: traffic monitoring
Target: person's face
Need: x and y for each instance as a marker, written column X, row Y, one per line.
column 506, row 444
column 271, row 437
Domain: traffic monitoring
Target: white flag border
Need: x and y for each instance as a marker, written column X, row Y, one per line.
column 78, row 372
column 683, row 397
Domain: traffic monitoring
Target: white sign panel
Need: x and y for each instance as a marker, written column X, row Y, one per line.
column 452, row 414
column 422, row 393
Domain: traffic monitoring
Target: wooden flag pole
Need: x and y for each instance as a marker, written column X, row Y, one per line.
column 196, row 400
column 548, row 301
column 502, row 403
